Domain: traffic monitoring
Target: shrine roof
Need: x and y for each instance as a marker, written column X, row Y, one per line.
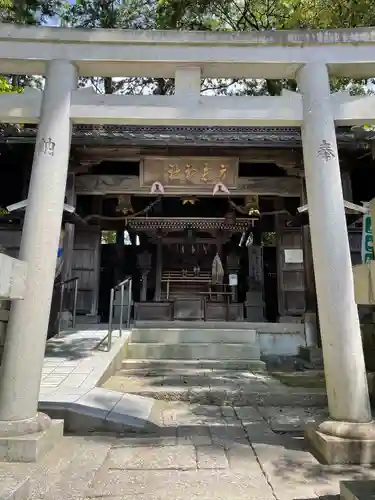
column 124, row 135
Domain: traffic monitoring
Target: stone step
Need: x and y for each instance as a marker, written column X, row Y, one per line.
column 260, row 327
column 357, row 490
column 151, row 370
column 193, row 335
column 184, row 378
column 87, row 319
column 195, row 351
column 168, row 364
column 206, row 325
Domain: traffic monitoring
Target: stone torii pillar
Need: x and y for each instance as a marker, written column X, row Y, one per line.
column 349, row 435
column 23, row 357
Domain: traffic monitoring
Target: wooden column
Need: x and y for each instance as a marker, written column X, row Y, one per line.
column 254, row 295
column 290, row 275
column 97, row 209
column 346, row 183
column 144, row 286
column 311, row 314
column 159, row 269
column 71, row 199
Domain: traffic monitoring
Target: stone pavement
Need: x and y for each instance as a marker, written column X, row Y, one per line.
column 73, row 368
column 218, row 453
column 172, row 381
column 73, row 364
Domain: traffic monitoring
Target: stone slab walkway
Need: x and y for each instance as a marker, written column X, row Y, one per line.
column 198, row 452
column 210, row 386
column 73, row 365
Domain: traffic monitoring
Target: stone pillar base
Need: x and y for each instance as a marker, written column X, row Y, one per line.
column 357, row 490
column 29, row 440
column 342, row 442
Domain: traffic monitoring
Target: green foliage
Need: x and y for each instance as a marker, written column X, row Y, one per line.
column 207, row 15
column 120, row 14
column 28, row 11
column 6, row 87
column 113, row 14
column 25, row 12
column 108, row 237
column 261, row 15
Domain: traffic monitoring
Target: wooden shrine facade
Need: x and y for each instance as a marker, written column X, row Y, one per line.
column 185, row 194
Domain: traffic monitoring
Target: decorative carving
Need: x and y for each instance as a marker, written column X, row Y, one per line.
column 326, row 151
column 206, row 175
column 192, row 200
column 177, row 135
column 127, row 184
column 155, row 223
column 223, row 172
column 173, row 172
column 106, row 184
column 190, row 172
column 47, row 147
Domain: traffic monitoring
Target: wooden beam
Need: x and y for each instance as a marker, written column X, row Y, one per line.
column 127, row 184
column 286, row 158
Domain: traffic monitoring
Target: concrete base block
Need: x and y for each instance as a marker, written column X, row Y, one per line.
column 337, row 450
column 357, row 490
column 30, row 447
column 103, row 410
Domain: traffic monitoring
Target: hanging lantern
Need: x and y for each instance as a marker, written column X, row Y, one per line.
column 252, row 206
column 124, row 205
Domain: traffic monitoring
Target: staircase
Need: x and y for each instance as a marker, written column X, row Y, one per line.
column 207, row 364
column 203, row 362
column 203, row 348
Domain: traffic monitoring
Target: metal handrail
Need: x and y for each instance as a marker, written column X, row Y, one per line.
column 63, row 284
column 121, row 287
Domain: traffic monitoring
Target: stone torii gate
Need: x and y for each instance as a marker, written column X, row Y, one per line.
column 310, row 57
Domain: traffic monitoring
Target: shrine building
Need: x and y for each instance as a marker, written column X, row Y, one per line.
column 158, row 203
column 222, row 209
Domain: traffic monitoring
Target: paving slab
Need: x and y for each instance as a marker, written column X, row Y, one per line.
column 73, row 360
column 153, row 458
column 181, row 485
column 14, row 488
column 217, row 386
column 220, row 458
column 289, row 419
column 211, row 457
column 55, row 476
